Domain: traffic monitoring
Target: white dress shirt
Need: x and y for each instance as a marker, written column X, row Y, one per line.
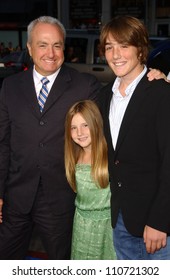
column 119, row 104
column 37, row 80
column 168, row 76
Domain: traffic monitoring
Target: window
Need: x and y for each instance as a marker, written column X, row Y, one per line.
column 99, row 57
column 75, row 50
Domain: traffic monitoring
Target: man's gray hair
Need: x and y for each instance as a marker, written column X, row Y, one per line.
column 44, row 19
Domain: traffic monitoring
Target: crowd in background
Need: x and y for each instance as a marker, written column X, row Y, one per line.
column 4, row 50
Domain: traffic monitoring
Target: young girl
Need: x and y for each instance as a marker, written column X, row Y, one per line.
column 87, row 173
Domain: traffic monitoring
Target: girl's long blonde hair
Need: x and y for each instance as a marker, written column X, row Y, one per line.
column 99, row 160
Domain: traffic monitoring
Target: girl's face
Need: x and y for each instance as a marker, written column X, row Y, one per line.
column 80, row 132
column 122, row 59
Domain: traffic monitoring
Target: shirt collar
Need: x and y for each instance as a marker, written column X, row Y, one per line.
column 38, row 77
column 130, row 88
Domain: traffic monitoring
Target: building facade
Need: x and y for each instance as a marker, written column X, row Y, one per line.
column 90, row 13
column 15, row 15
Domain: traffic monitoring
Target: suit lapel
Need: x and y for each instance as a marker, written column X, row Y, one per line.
column 28, row 89
column 104, row 104
column 134, row 105
column 107, row 122
column 59, row 86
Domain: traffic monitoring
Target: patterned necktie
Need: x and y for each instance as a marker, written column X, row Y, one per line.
column 43, row 93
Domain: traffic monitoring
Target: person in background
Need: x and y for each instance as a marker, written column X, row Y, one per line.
column 10, row 47
column 86, row 166
column 3, row 50
column 18, row 48
column 33, row 186
column 136, row 116
column 71, row 55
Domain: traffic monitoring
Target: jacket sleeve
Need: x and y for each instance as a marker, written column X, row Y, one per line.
column 4, row 140
column 159, row 211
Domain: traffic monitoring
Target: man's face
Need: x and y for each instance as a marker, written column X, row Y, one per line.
column 46, row 48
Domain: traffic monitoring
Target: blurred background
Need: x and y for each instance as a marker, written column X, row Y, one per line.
column 89, row 14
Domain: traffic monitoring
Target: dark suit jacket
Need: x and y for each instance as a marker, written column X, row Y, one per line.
column 32, row 144
column 140, row 164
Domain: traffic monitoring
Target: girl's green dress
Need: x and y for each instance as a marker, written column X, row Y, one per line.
column 92, row 233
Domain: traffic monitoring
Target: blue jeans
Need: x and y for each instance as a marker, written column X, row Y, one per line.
column 129, row 247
